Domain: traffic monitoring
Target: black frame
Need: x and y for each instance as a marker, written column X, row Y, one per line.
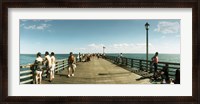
column 5, row 4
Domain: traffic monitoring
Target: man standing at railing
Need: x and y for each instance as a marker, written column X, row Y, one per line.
column 47, row 61
column 52, row 70
column 120, row 58
column 155, row 64
column 71, row 64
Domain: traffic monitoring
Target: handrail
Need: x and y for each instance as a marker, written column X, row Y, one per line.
column 140, row 64
column 27, row 75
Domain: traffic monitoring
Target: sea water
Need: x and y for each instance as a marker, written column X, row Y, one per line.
column 30, row 58
column 174, row 58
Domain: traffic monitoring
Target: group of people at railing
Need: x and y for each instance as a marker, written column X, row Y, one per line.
column 49, row 63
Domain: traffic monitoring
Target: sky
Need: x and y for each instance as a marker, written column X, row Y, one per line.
column 90, row 36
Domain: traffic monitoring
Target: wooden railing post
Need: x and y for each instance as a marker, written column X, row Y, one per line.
column 32, row 67
column 151, row 67
column 63, row 64
column 140, row 64
column 131, row 63
column 166, row 66
column 122, row 60
column 126, row 61
column 55, row 67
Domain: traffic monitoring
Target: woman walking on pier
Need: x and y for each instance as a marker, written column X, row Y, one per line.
column 71, row 64
column 38, row 67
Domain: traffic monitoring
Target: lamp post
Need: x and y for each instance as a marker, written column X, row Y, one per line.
column 147, row 28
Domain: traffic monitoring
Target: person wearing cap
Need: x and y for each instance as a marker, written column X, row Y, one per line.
column 53, row 63
column 47, row 60
column 71, row 64
column 38, row 67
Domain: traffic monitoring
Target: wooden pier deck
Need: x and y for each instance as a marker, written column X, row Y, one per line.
column 97, row 71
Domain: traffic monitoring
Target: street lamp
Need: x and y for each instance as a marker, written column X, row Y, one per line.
column 147, row 28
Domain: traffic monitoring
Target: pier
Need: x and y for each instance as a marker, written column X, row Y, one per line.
column 108, row 70
column 97, row 71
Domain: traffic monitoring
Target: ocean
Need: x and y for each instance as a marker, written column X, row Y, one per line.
column 175, row 58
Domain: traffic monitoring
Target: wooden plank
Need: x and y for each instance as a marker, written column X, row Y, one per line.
column 97, row 71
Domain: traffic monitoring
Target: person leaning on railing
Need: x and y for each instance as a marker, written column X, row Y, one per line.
column 38, row 68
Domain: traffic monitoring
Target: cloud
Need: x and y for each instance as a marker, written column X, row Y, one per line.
column 21, row 25
column 129, row 48
column 82, row 48
column 23, row 20
column 97, row 46
column 38, row 27
column 30, row 27
column 143, row 44
column 47, row 20
column 163, row 37
column 167, row 27
column 43, row 26
column 121, row 45
column 118, row 48
column 38, row 20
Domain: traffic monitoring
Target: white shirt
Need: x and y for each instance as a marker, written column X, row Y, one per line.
column 39, row 59
column 47, row 57
column 53, row 59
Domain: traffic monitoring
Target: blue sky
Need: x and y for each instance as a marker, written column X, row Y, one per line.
column 89, row 36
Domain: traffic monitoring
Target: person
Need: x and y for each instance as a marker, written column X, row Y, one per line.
column 38, row 67
column 52, row 70
column 47, row 61
column 155, row 63
column 79, row 56
column 177, row 77
column 120, row 58
column 98, row 55
column 121, row 55
column 165, row 75
column 71, row 64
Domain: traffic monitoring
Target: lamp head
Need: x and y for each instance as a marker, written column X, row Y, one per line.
column 147, row 26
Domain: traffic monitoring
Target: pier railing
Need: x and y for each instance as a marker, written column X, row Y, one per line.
column 139, row 64
column 27, row 71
